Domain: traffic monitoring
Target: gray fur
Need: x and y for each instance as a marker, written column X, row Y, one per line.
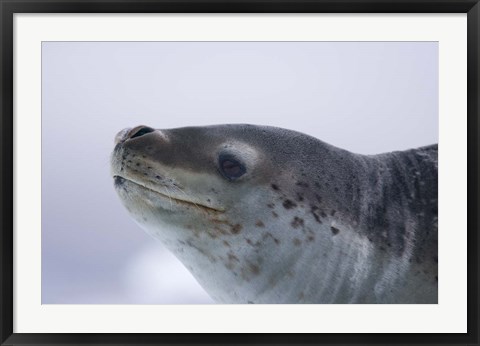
column 342, row 227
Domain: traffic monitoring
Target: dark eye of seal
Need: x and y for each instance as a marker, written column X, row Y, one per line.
column 230, row 167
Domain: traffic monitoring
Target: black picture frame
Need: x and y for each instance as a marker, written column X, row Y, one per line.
column 9, row 7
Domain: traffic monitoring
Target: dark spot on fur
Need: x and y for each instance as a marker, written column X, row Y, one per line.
column 299, row 197
column 333, row 212
column 296, row 242
column 297, row 222
column 302, row 184
column 319, row 199
column 317, row 184
column 274, row 214
column 226, row 243
column 232, row 257
column 202, row 251
column 236, row 228
column 259, row 224
column 334, row 230
column 137, row 164
column 275, row 187
column 288, row 204
column 254, row 268
column 310, row 238
column 251, row 243
column 213, row 234
column 315, row 212
column 271, row 205
column 269, row 235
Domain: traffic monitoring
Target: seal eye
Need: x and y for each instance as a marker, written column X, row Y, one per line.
column 230, row 167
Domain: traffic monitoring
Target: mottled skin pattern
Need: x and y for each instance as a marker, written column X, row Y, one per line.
column 307, row 223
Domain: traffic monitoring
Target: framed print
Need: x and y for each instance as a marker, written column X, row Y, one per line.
column 239, row 173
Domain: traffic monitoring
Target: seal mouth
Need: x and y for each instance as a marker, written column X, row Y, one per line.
column 119, row 181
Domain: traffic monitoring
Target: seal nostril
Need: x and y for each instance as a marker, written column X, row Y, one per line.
column 142, row 131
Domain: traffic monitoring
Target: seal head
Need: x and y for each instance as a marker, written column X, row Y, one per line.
column 267, row 215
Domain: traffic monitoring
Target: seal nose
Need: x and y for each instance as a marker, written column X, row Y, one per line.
column 140, row 131
column 130, row 133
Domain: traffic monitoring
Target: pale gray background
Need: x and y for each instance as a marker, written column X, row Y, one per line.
column 364, row 97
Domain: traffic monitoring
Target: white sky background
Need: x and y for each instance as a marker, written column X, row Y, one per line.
column 364, row 97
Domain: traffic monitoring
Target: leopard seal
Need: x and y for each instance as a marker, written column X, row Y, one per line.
column 261, row 214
